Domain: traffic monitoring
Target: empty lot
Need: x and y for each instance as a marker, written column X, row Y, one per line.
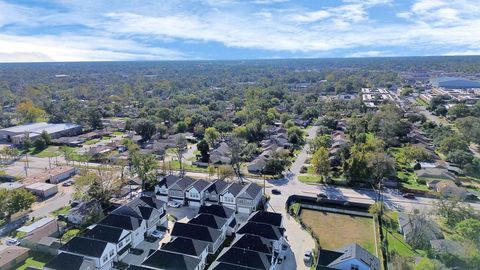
column 337, row 230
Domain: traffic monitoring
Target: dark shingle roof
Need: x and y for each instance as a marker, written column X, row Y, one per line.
column 274, row 219
column 253, row 243
column 85, row 246
column 253, row 190
column 200, row 184
column 125, row 222
column 261, row 229
column 227, row 266
column 172, row 261
column 186, row 246
column 209, row 221
column 246, row 258
column 105, row 233
column 217, row 210
column 326, row 257
column 152, row 202
column 218, row 186
column 356, row 251
column 168, row 180
column 185, row 182
column 197, row 232
column 234, row 189
column 136, row 267
column 65, row 261
column 126, row 210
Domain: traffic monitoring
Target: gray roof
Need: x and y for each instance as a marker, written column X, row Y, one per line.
column 218, row 186
column 185, row 246
column 435, row 173
column 209, row 221
column 161, row 259
column 234, row 189
column 410, row 223
column 244, row 257
column 200, row 185
column 38, row 128
column 355, row 251
column 253, row 190
column 448, row 246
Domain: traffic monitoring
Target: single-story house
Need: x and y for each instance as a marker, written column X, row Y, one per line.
column 78, row 214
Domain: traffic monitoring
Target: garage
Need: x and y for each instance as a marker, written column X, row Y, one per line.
column 244, row 210
column 194, row 203
column 180, row 201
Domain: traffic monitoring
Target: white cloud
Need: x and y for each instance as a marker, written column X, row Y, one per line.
column 370, row 54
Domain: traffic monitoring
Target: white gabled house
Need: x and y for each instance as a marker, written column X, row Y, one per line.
column 176, row 192
column 101, row 252
column 228, row 198
column 119, row 237
column 196, row 192
column 136, row 226
column 213, row 192
column 150, row 209
column 249, row 198
column 161, row 189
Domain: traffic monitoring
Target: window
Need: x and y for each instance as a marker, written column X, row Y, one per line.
column 354, row 267
column 120, row 245
column 105, row 258
column 111, row 253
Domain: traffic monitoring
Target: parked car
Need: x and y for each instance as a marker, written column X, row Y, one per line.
column 67, row 183
column 409, row 196
column 321, row 195
column 307, row 256
column 158, row 234
column 276, row 191
column 173, row 204
column 13, row 242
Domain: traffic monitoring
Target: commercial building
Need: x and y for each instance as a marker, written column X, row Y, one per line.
column 16, row 134
column 42, row 190
column 54, row 175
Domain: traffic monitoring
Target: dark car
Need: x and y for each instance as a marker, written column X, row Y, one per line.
column 276, row 191
column 409, row 196
column 322, row 196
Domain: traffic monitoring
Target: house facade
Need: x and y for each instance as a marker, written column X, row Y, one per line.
column 176, row 192
column 229, row 196
column 213, row 192
column 100, row 252
column 195, row 194
column 249, row 199
column 161, row 189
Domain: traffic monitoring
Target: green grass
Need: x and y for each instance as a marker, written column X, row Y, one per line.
column 70, row 234
column 38, row 260
column 62, row 211
column 408, row 181
column 395, row 240
column 175, row 165
column 92, row 141
column 309, row 178
column 335, row 230
column 421, row 101
column 118, row 133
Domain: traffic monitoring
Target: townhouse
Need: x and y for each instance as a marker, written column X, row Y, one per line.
column 161, row 189
column 188, row 247
column 141, row 208
column 229, row 196
column 121, row 238
column 212, row 237
column 102, row 253
column 195, row 194
column 211, row 221
column 176, row 192
column 222, row 212
column 136, row 226
column 212, row 192
column 249, row 199
column 161, row 259
column 68, row 261
column 273, row 233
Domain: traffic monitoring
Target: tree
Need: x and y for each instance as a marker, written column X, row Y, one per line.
column 100, row 185
column 458, row 111
column 277, row 163
column 295, row 135
column 95, row 118
column 203, row 147
column 428, row 264
column 469, row 230
column 145, row 128
column 39, row 144
column 450, row 144
column 356, row 166
column 144, row 165
column 211, row 136
column 27, row 142
column 453, row 210
column 380, row 165
column 46, row 137
column 180, row 146
column 237, row 147
column 469, row 127
column 460, row 157
column 13, row 201
column 29, row 112
column 226, row 172
column 412, row 153
column 321, row 163
column 319, row 142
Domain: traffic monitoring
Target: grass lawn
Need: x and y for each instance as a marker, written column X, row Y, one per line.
column 174, row 164
column 338, row 230
column 38, row 260
column 92, row 141
column 70, row 234
column 62, row 211
column 309, row 178
column 51, row 151
column 118, row 133
column 408, row 181
column 395, row 240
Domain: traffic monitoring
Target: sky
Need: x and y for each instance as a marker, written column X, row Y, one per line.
column 123, row 30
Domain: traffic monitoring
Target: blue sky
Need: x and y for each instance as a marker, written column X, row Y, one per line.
column 101, row 30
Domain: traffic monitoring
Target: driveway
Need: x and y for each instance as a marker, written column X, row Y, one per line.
column 183, row 212
column 138, row 259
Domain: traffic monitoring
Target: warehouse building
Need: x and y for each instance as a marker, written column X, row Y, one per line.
column 43, row 190
column 16, row 134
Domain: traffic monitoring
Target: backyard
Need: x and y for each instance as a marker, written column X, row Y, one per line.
column 335, row 230
column 37, row 260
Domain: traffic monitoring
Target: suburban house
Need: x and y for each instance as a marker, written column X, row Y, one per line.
column 38, row 234
column 271, row 218
column 267, row 231
column 222, row 212
column 249, row 199
column 11, row 256
column 348, row 258
column 101, row 252
column 161, row 259
column 448, row 188
column 78, row 214
column 138, row 208
column 211, row 221
column 68, row 261
column 176, row 192
column 245, row 258
column 204, row 234
column 212, row 193
column 119, row 237
column 412, row 226
column 188, row 247
column 229, row 196
column 435, row 174
column 136, row 226
column 448, row 247
column 221, row 154
column 196, row 193
column 161, row 189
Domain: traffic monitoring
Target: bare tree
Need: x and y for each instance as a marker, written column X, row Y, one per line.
column 237, row 146
column 180, row 146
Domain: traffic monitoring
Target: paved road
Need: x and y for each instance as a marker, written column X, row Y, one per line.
column 61, row 199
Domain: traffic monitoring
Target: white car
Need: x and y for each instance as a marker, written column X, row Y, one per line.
column 158, row 234
column 307, row 256
column 12, row 242
column 173, row 204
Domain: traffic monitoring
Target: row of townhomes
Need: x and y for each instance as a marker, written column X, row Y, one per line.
column 188, row 191
column 112, row 238
column 255, row 244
